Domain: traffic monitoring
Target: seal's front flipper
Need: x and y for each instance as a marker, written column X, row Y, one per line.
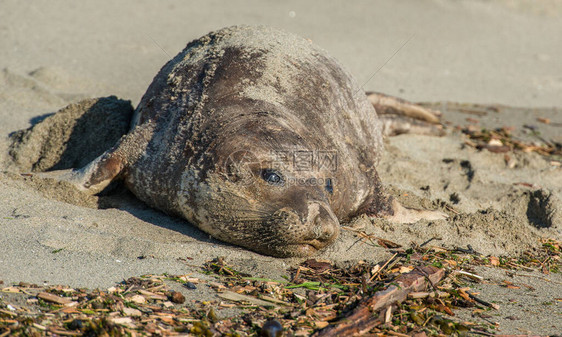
column 92, row 178
column 109, row 166
column 400, row 116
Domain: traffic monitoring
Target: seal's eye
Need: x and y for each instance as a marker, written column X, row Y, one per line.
column 273, row 177
column 329, row 186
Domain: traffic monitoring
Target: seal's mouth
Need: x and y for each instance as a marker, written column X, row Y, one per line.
column 316, row 244
column 307, row 248
column 295, row 249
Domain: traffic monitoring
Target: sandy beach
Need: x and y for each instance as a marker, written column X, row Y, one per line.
column 486, row 64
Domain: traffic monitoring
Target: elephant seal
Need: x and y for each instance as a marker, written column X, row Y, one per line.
column 257, row 137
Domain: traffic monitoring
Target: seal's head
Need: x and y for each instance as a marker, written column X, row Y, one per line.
column 257, row 196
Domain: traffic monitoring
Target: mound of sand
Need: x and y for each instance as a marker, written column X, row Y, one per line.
column 72, row 137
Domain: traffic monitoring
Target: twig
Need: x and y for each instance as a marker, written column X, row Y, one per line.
column 427, row 320
column 452, row 209
column 394, row 333
column 469, row 250
column 474, row 276
column 383, row 266
column 422, row 271
column 481, row 301
column 484, row 333
column 362, row 236
column 428, row 241
column 9, row 313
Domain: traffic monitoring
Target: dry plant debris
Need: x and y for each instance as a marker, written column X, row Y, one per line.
column 501, row 140
column 414, row 292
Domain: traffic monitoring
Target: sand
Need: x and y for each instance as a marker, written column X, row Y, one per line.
column 505, row 52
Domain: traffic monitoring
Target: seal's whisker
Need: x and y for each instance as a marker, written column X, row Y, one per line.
column 249, row 219
column 246, row 211
column 250, row 211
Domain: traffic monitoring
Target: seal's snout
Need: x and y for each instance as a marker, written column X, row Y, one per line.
column 304, row 231
column 324, row 224
column 326, row 230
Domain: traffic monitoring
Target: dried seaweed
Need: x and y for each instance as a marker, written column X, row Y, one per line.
column 317, row 298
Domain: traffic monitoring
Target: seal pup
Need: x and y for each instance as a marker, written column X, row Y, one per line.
column 259, row 138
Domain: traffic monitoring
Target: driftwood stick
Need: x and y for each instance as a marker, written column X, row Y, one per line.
column 481, row 301
column 367, row 314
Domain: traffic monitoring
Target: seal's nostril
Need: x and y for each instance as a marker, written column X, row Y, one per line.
column 325, row 228
column 323, row 225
